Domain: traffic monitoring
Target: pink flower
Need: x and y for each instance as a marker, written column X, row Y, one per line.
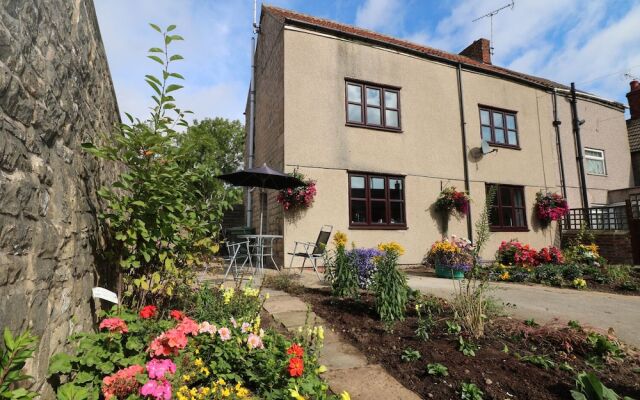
column 122, row 383
column 157, row 368
column 245, row 327
column 168, row 343
column 188, row 326
column 254, row 341
column 206, row 327
column 225, row 334
column 114, row 325
column 233, row 322
column 158, row 389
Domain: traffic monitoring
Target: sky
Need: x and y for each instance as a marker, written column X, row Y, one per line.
column 595, row 43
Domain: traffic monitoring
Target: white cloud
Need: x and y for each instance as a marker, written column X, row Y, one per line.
column 382, row 15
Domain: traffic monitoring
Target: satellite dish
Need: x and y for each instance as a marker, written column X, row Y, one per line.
column 485, row 147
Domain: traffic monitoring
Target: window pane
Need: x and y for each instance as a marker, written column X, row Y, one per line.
column 358, row 211
column 373, row 116
column 390, row 99
column 593, row 153
column 354, row 93
column 486, row 133
column 499, row 135
column 511, row 122
column 396, row 190
column 595, row 166
column 355, row 113
column 396, row 213
column 513, row 138
column 391, row 118
column 505, row 197
column 378, row 212
column 507, row 217
column 518, row 198
column 519, row 217
column 484, row 117
column 373, row 97
column 497, row 119
column 493, row 217
column 357, row 187
column 377, row 188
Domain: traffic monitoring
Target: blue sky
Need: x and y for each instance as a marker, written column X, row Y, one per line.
column 592, row 42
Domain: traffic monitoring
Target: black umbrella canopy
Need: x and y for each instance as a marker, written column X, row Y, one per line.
column 262, row 177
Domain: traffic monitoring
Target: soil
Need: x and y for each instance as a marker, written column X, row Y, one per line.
column 499, row 374
column 591, row 284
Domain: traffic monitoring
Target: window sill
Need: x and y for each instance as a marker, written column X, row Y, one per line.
column 603, row 175
column 504, row 146
column 379, row 227
column 508, row 229
column 375, row 128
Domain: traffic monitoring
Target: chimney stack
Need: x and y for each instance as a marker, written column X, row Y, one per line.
column 634, row 99
column 480, row 50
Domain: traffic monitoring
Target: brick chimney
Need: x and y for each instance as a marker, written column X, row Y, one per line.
column 634, row 99
column 480, row 50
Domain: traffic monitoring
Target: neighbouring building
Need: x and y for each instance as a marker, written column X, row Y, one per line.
column 383, row 125
column 633, row 129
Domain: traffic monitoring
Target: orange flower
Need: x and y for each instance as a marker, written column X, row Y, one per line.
column 296, row 350
column 296, row 366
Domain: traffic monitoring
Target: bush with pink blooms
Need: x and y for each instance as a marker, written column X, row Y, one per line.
column 143, row 355
column 550, row 207
column 298, row 198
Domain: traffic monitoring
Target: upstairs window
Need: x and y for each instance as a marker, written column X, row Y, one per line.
column 508, row 211
column 372, row 106
column 595, row 164
column 499, row 127
column 376, row 201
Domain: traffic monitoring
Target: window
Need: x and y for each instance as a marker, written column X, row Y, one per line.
column 595, row 162
column 376, row 201
column 373, row 106
column 508, row 211
column 499, row 127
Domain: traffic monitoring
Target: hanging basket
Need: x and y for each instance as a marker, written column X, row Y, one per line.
column 298, row 198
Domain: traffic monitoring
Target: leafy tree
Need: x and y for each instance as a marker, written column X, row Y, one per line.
column 163, row 212
column 217, row 142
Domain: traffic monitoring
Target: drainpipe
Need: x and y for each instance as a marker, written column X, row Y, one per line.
column 556, row 125
column 463, row 129
column 579, row 153
column 252, row 115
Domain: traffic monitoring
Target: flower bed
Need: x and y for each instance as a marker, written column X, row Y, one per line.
column 451, row 258
column 151, row 355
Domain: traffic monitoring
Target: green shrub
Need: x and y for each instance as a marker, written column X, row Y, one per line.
column 618, row 274
column 218, row 304
column 541, row 361
column 571, row 271
column 341, row 273
column 409, row 354
column 471, row 392
column 285, row 281
column 589, row 387
column 16, row 351
column 437, row 369
column 390, row 286
column 549, row 274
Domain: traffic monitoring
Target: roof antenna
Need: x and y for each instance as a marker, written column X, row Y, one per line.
column 490, row 15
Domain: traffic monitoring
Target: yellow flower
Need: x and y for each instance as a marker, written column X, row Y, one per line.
column 186, row 377
column 250, row 292
column 505, row 276
column 198, row 362
column 256, row 325
column 294, row 393
column 221, row 382
column 227, row 295
column 320, row 333
column 266, row 296
column 340, row 239
column 391, row 247
column 197, row 351
column 579, row 283
column 205, row 371
column 226, row 392
column 345, row 396
column 205, row 391
column 321, row 369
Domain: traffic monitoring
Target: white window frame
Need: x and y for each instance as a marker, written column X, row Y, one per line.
column 595, row 158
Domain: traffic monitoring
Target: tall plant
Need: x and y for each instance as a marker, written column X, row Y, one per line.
column 341, row 272
column 161, row 221
column 390, row 285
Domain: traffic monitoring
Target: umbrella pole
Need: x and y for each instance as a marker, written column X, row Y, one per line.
column 260, row 247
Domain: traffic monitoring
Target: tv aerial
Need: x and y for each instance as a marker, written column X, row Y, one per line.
column 490, row 15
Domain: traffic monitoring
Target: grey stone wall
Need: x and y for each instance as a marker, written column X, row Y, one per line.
column 55, row 93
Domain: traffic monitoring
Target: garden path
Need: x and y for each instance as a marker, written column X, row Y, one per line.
column 543, row 303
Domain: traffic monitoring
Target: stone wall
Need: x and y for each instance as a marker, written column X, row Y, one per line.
column 55, row 93
column 614, row 246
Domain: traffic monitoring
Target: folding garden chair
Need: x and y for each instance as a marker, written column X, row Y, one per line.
column 238, row 251
column 312, row 251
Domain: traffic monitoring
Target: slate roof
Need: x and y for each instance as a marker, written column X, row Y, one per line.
column 633, row 129
column 308, row 21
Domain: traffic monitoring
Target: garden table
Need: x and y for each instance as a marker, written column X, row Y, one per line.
column 262, row 242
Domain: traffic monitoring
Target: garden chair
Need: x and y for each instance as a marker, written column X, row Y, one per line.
column 312, row 251
column 237, row 252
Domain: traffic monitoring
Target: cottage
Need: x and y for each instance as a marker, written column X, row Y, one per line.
column 383, row 125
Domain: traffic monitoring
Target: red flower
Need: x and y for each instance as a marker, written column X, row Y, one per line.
column 177, row 315
column 296, row 366
column 148, row 312
column 114, row 325
column 296, row 350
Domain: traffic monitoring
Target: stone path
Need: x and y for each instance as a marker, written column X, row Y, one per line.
column 348, row 368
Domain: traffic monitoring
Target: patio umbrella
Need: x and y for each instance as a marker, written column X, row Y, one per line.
column 262, row 177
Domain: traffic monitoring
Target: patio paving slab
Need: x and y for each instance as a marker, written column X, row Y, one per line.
column 280, row 304
column 340, row 355
column 368, row 382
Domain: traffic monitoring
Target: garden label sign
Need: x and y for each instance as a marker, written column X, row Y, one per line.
column 105, row 294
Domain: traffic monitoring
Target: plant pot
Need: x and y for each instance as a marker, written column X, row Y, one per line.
column 444, row 271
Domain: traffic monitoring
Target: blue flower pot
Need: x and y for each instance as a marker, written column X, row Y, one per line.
column 444, row 271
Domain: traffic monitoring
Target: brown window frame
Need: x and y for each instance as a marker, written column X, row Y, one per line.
column 364, row 85
column 497, row 204
column 505, row 128
column 368, row 200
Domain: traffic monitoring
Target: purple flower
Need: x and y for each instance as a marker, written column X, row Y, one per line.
column 363, row 260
